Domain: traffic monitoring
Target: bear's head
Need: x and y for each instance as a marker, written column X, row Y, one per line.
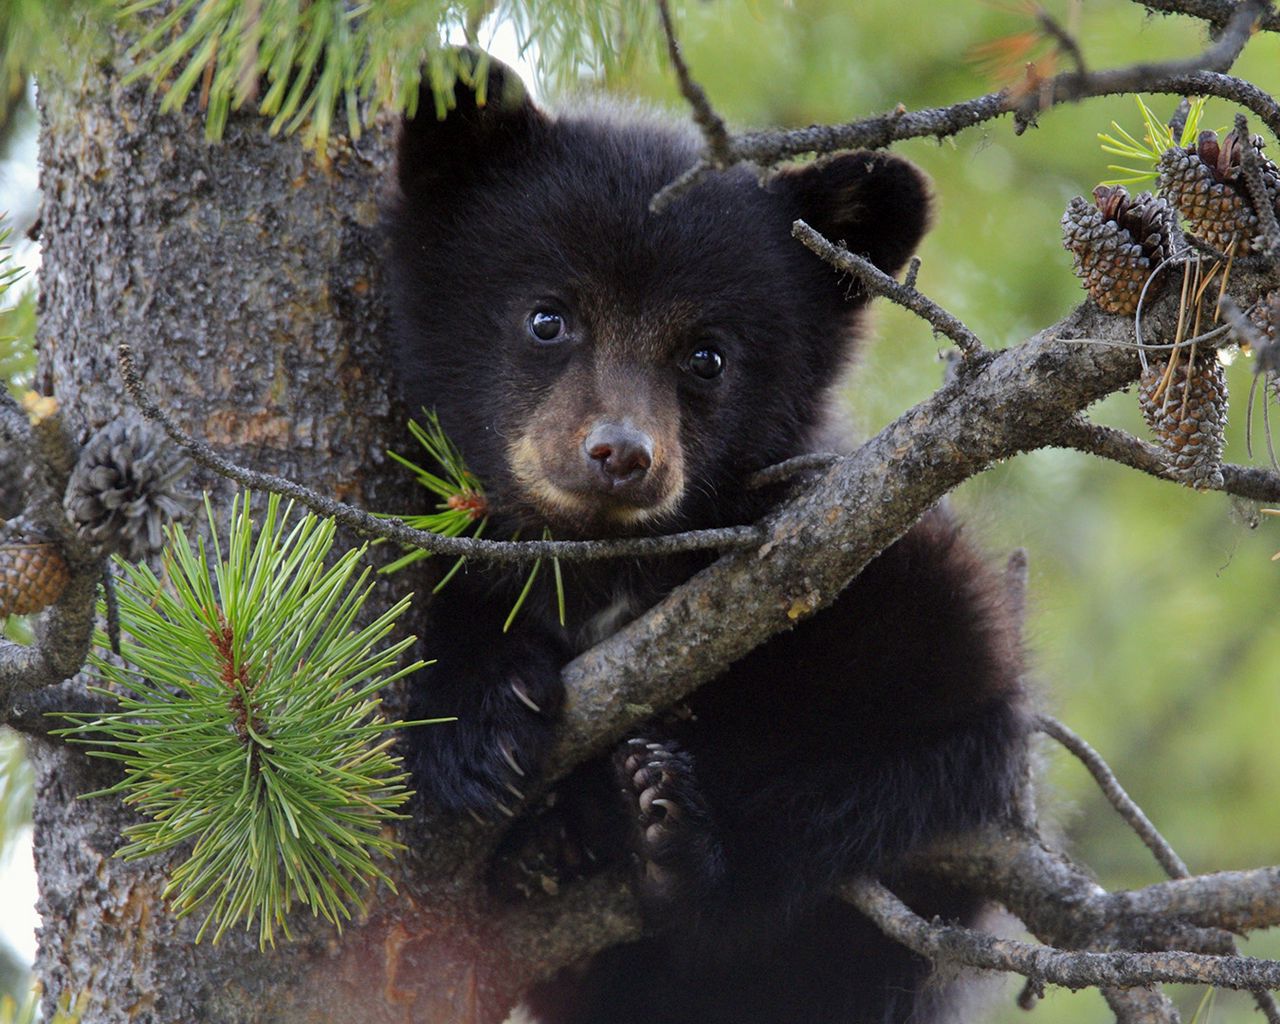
column 605, row 369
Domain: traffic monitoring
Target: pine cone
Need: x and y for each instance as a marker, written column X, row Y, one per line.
column 122, row 492
column 33, row 573
column 1117, row 242
column 1266, row 316
column 1189, row 421
column 1204, row 182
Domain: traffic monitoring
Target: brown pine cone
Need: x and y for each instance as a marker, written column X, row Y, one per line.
column 1204, row 182
column 1117, row 242
column 33, row 573
column 1266, row 317
column 1188, row 419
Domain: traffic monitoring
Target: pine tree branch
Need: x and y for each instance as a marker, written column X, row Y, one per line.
column 1070, row 969
column 1216, row 12
column 1142, row 825
column 1249, row 482
column 1012, row 401
column 1124, row 804
column 1203, row 74
column 1063, row 904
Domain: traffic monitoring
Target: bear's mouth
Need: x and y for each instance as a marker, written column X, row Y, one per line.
column 571, row 498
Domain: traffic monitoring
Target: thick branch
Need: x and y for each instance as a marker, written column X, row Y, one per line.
column 1062, row 905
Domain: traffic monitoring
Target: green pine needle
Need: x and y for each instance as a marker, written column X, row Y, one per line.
column 248, row 722
column 1147, row 151
column 305, row 63
column 17, row 323
column 462, row 507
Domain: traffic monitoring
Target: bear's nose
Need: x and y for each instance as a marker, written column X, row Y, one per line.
column 620, row 453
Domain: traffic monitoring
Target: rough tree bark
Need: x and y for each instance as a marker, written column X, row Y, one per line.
column 245, row 276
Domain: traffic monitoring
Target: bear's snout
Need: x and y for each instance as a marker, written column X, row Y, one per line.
column 617, row 455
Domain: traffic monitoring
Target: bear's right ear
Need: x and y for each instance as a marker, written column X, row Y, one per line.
column 874, row 203
column 491, row 118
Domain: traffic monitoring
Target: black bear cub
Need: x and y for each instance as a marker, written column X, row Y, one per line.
column 607, row 371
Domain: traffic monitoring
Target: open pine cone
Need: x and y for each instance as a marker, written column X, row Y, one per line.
column 1117, row 241
column 1204, row 182
column 122, row 491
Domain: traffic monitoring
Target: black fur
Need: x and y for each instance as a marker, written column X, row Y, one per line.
column 889, row 718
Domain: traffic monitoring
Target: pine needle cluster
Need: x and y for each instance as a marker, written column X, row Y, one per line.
column 248, row 724
column 461, row 507
column 1146, row 152
column 305, row 63
column 38, row 34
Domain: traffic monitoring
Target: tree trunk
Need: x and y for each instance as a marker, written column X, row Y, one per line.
column 245, row 276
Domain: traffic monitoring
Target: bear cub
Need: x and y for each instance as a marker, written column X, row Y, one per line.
column 606, row 371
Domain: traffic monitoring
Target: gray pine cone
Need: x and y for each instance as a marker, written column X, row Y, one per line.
column 122, row 491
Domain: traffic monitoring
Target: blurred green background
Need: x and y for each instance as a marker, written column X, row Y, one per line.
column 1151, row 622
column 1153, row 619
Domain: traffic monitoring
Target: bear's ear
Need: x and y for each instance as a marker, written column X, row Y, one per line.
column 491, row 118
column 875, row 204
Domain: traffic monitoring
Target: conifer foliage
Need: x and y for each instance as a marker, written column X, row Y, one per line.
column 247, row 721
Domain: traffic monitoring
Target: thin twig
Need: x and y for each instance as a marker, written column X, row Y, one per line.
column 876, row 281
column 731, row 538
column 913, row 271
column 1071, row 969
column 711, row 123
column 1247, row 482
column 1065, row 40
column 1128, row 809
column 1116, row 795
column 813, row 462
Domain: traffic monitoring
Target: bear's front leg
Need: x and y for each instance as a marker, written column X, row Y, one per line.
column 506, row 694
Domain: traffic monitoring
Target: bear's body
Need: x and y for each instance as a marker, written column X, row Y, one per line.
column 607, row 371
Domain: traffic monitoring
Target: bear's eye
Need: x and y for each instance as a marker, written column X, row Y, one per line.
column 546, row 325
column 706, row 362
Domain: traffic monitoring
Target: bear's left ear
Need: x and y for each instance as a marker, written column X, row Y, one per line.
column 874, row 204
